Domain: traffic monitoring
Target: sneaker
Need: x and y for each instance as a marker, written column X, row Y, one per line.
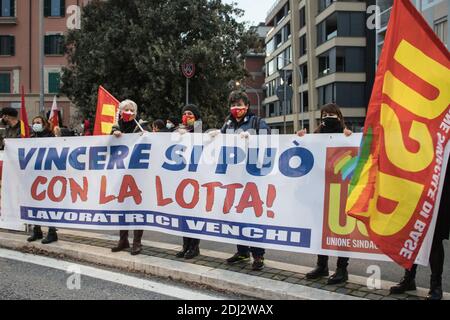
column 238, row 258
column 258, row 264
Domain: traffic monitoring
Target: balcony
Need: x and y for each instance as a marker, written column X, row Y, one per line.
column 8, row 20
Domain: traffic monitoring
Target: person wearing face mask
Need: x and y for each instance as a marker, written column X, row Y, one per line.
column 128, row 123
column 331, row 121
column 11, row 121
column 159, row 126
column 191, row 122
column 41, row 129
column 242, row 120
column 172, row 124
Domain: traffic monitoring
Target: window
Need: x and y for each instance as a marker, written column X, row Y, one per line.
column 303, row 48
column 441, row 29
column 302, row 17
column 54, row 44
column 54, row 80
column 305, row 101
column 345, row 94
column 341, row 24
column 54, row 8
column 338, row 60
column 5, row 83
column 7, row 8
column 326, row 94
column 7, row 45
column 323, row 4
column 304, row 71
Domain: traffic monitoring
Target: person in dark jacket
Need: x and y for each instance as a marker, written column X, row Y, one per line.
column 331, row 121
column 172, row 124
column 159, row 126
column 40, row 128
column 11, row 121
column 441, row 232
column 191, row 122
column 242, row 120
column 128, row 123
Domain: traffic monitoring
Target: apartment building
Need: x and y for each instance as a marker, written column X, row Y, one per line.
column 435, row 12
column 19, row 53
column 324, row 52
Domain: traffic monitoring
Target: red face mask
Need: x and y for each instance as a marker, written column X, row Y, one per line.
column 237, row 112
column 127, row 115
column 188, row 120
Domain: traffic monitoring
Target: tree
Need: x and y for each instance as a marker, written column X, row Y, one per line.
column 134, row 48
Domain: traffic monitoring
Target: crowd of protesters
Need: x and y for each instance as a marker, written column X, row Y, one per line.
column 243, row 122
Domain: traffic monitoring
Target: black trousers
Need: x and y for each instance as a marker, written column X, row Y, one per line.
column 437, row 256
column 190, row 243
column 137, row 236
column 38, row 229
column 256, row 252
column 322, row 261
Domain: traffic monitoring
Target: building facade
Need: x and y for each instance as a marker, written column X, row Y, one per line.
column 254, row 64
column 324, row 52
column 19, row 52
column 435, row 12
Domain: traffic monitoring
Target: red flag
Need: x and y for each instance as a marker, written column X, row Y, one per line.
column 24, row 127
column 87, row 126
column 54, row 114
column 107, row 108
column 395, row 186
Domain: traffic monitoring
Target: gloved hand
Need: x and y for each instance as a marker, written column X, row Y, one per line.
column 244, row 135
column 213, row 133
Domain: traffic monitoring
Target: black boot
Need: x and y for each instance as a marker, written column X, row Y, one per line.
column 435, row 292
column 340, row 276
column 137, row 245
column 36, row 234
column 123, row 242
column 321, row 269
column 52, row 236
column 194, row 249
column 186, row 242
column 407, row 283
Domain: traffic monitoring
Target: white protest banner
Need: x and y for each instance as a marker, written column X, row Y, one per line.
column 278, row 192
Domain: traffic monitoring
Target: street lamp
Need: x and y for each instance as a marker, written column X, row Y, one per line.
column 238, row 84
column 301, row 92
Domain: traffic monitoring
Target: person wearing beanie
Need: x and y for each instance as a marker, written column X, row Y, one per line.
column 191, row 120
column 11, row 121
column 41, row 129
column 172, row 124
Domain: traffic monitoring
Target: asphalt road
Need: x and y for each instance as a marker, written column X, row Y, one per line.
column 389, row 271
column 41, row 278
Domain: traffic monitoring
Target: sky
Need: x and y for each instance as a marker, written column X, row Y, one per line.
column 255, row 10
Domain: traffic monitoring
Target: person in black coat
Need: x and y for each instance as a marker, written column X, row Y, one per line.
column 41, row 129
column 441, row 232
column 331, row 121
column 191, row 122
column 128, row 123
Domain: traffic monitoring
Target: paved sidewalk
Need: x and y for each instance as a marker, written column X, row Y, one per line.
column 277, row 281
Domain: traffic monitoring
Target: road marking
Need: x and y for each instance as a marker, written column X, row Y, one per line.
column 110, row 276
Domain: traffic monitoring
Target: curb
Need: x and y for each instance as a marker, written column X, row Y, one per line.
column 244, row 284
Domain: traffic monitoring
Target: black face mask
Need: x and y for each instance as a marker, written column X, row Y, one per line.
column 331, row 125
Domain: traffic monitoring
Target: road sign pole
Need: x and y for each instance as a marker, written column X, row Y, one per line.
column 187, row 91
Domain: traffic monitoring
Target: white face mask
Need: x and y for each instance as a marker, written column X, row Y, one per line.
column 37, row 127
column 170, row 126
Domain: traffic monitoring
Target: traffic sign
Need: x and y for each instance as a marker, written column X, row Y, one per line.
column 188, row 69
